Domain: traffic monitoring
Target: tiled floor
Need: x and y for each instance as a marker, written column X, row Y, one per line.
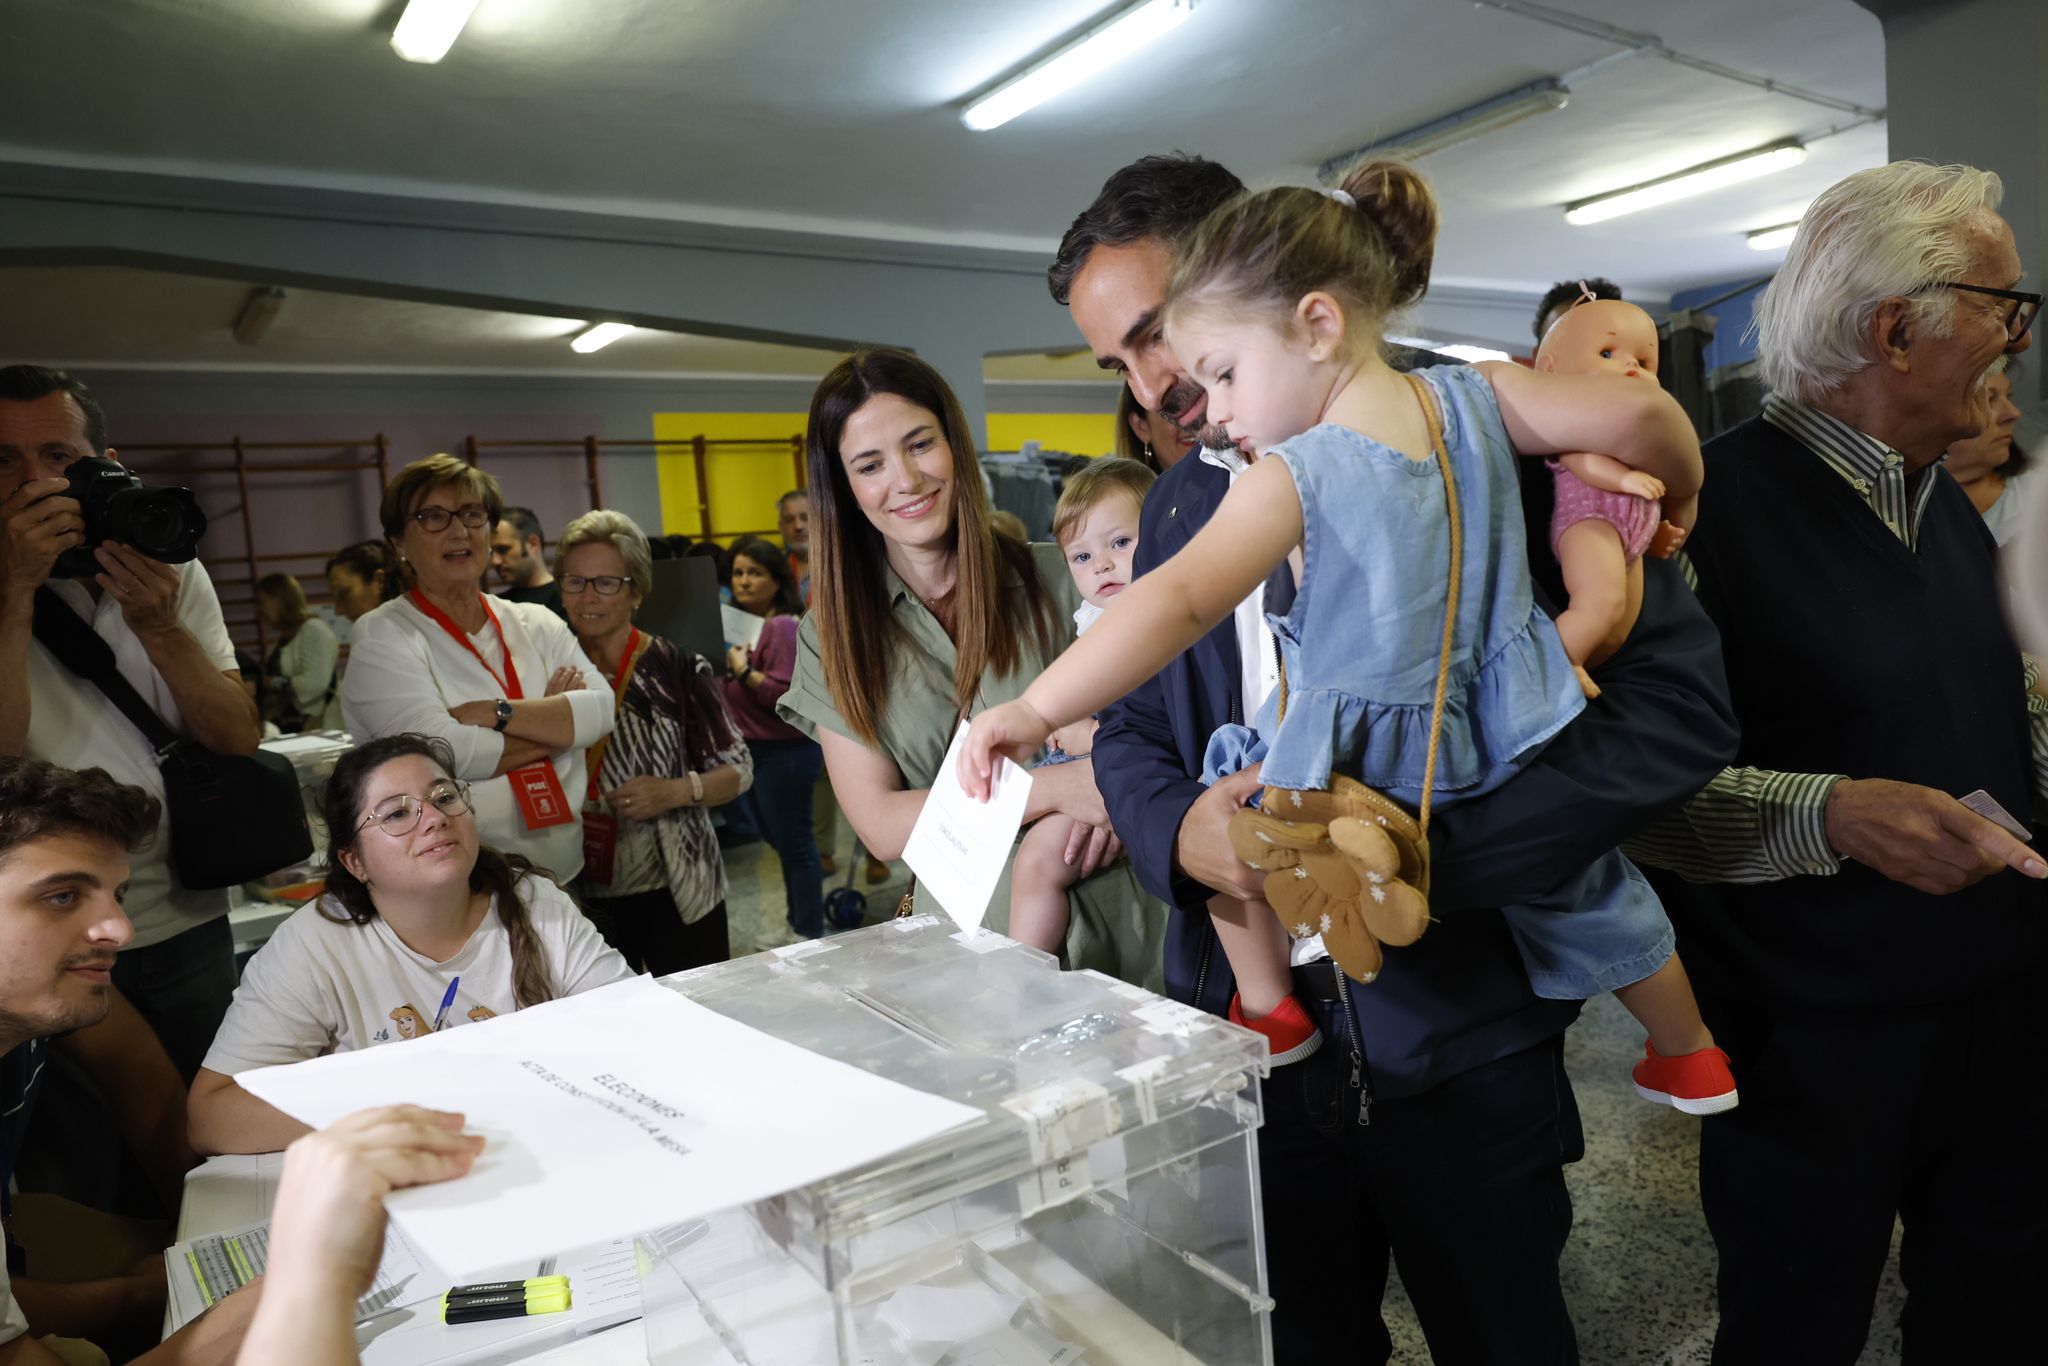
column 1639, row 1270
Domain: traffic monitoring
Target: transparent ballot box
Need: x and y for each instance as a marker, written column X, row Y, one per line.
column 1103, row 1210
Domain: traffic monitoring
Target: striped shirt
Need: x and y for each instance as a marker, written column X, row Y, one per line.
column 1760, row 825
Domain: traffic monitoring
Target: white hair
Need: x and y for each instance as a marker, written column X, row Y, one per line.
column 615, row 529
column 1876, row 235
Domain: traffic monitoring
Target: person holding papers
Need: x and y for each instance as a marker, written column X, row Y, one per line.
column 422, row 926
column 786, row 761
column 652, row 878
column 920, row 614
column 502, row 683
column 327, row 1227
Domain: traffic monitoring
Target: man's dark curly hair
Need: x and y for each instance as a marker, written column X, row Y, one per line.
column 1156, row 196
column 39, row 800
column 1565, row 290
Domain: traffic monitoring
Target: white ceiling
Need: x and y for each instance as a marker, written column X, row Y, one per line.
column 101, row 315
column 841, row 115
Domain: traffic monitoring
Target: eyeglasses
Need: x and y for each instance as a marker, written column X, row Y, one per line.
column 437, row 518
column 401, row 815
column 606, row 585
column 2025, row 307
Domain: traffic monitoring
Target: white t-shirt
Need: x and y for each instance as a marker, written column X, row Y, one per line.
column 13, row 1323
column 1259, row 669
column 73, row 724
column 326, row 986
column 405, row 672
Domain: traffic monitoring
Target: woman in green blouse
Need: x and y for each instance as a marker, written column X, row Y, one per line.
column 920, row 613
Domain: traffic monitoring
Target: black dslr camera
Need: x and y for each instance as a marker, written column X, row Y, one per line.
column 162, row 523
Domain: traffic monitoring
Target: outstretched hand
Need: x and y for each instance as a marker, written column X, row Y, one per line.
column 1015, row 730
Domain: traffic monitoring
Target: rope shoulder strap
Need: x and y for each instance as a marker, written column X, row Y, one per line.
column 1425, row 397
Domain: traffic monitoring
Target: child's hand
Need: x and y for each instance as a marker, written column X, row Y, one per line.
column 1078, row 738
column 1014, row 729
column 1642, row 485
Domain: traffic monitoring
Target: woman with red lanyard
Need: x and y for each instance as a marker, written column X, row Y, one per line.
column 503, row 683
column 653, row 882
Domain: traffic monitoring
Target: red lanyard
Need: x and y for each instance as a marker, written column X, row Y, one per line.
column 595, row 759
column 510, row 682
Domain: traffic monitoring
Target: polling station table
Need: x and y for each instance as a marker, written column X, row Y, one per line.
column 1101, row 1209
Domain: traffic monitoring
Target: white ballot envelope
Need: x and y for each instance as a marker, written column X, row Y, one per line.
column 607, row 1114
column 959, row 846
column 1987, row 806
column 741, row 627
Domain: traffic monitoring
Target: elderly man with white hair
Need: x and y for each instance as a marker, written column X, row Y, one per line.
column 1871, row 949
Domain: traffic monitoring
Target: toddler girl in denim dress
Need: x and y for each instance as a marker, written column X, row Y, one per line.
column 1276, row 306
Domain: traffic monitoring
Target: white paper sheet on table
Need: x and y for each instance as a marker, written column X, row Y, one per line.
column 741, row 627
column 959, row 846
column 610, row 1113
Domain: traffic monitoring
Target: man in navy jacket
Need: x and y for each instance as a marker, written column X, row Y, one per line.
column 1435, row 1122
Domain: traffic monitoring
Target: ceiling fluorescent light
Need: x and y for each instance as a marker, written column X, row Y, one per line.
column 1711, row 176
column 1524, row 101
column 1474, row 354
column 428, row 28
column 1103, row 45
column 598, row 335
column 1770, row 239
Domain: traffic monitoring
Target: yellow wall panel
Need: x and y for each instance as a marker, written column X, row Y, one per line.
column 745, row 481
column 1074, row 433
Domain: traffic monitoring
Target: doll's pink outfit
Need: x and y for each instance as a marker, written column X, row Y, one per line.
column 1635, row 519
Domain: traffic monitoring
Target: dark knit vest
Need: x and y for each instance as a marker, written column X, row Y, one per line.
column 1848, row 652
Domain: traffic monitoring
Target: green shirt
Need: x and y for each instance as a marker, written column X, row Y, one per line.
column 1113, row 926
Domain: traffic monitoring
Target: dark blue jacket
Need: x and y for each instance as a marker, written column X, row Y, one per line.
column 1459, row 997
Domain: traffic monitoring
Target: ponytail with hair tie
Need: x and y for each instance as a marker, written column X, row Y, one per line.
column 1264, row 252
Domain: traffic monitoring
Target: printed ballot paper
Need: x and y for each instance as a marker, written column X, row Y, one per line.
column 959, row 846
column 607, row 1114
column 741, row 627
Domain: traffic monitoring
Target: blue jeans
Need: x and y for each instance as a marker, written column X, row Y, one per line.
column 780, row 802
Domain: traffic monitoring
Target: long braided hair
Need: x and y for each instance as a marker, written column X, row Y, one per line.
column 341, row 810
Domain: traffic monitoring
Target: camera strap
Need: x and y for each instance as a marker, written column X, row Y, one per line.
column 80, row 649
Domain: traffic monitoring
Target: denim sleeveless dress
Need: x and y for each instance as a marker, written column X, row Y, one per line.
column 1360, row 641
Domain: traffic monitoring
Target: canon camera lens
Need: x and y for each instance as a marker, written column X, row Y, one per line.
column 162, row 523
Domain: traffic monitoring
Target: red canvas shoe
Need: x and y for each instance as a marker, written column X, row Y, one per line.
column 1291, row 1034
column 1697, row 1083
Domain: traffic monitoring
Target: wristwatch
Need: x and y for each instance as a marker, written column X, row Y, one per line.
column 504, row 715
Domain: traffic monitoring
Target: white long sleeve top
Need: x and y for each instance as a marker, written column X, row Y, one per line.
column 405, row 672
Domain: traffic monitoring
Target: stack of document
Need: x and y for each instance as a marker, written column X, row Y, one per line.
column 206, row 1270
column 610, row 1113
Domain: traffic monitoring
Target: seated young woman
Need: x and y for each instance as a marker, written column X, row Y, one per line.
column 416, row 907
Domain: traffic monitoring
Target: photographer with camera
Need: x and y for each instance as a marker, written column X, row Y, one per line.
column 162, row 623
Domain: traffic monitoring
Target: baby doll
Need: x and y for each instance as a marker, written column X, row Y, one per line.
column 1607, row 514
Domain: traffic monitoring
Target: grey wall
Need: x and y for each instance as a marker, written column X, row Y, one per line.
column 309, row 515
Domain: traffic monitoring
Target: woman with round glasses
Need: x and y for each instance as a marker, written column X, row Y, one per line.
column 504, row 684
column 652, row 877
column 423, row 927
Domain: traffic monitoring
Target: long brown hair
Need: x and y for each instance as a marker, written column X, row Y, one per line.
column 857, row 636
column 341, row 809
